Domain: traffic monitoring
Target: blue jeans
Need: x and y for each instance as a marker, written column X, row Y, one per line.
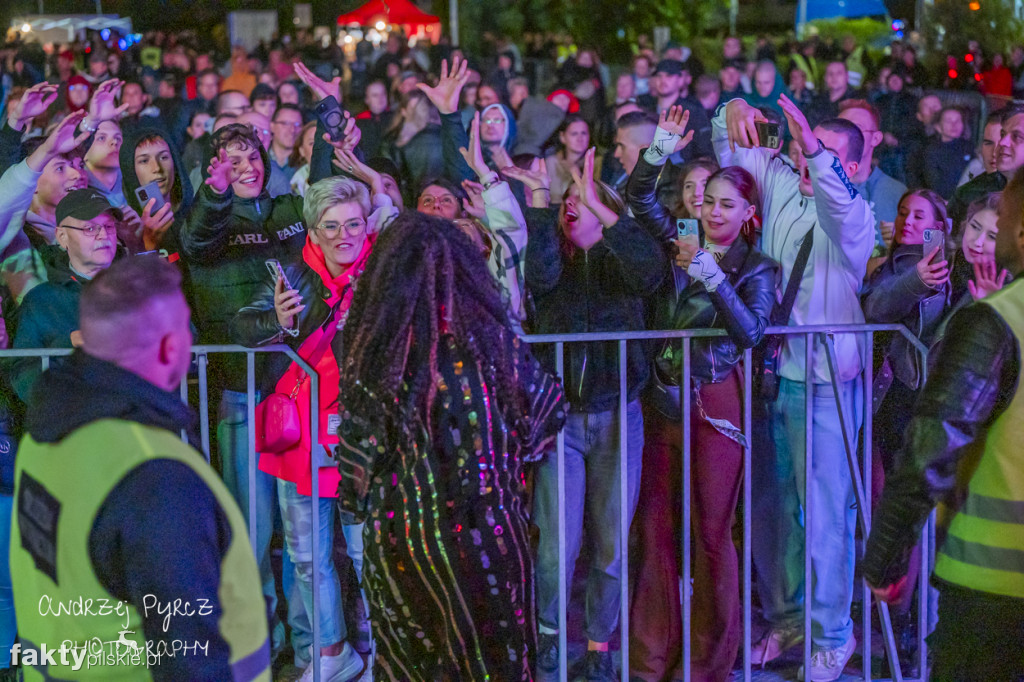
column 778, row 504
column 297, row 517
column 233, row 444
column 591, row 501
column 8, row 627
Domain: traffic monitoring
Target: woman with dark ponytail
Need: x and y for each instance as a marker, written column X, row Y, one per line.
column 441, row 405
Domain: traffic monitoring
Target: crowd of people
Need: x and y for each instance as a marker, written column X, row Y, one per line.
column 401, row 217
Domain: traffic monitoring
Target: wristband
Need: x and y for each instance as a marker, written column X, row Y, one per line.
column 82, row 124
column 704, row 268
column 490, row 180
column 662, row 146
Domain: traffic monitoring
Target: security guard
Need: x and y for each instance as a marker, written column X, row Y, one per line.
column 965, row 450
column 130, row 560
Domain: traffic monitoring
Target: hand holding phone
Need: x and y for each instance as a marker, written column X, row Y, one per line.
column 287, row 301
column 768, row 134
column 932, row 238
column 688, row 230
column 329, row 112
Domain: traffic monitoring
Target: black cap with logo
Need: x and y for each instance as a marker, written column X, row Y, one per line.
column 85, row 204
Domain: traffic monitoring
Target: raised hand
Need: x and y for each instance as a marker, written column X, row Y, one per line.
column 475, row 206
column 474, row 156
column 888, row 230
column 287, row 304
column 35, row 101
column 61, row 141
column 155, row 224
column 445, row 95
column 740, row 118
column 351, row 134
column 348, row 162
column 101, row 106
column 799, row 128
column 933, row 274
column 671, row 135
column 537, row 179
column 221, row 173
column 320, row 88
column 587, row 189
column 986, row 281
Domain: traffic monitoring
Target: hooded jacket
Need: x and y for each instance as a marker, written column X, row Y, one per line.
column 182, row 191
column 225, row 242
column 327, row 300
column 598, row 290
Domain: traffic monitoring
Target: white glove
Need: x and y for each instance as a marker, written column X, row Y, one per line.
column 662, row 147
column 706, row 269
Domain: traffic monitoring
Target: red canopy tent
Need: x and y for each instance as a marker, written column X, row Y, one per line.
column 388, row 11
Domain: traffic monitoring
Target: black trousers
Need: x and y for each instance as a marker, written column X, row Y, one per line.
column 979, row 637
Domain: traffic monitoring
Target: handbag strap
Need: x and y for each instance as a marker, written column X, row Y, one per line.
column 321, row 346
column 780, row 316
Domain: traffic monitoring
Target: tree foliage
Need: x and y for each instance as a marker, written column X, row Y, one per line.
column 949, row 24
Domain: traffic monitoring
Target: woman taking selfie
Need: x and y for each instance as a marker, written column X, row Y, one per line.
column 441, row 405
column 720, row 280
column 305, row 308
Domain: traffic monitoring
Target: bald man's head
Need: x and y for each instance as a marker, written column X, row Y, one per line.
column 134, row 315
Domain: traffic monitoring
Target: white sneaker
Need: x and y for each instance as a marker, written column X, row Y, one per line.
column 348, row 665
column 827, row 664
column 775, row 642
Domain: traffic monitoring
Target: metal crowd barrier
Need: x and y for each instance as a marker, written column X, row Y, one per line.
column 814, row 336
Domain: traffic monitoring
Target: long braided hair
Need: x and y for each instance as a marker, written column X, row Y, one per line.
column 424, row 279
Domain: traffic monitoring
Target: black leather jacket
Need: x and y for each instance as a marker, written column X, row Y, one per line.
column 895, row 293
column 741, row 305
column 974, row 373
column 256, row 324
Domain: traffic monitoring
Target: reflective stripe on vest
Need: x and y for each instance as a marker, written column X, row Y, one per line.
column 984, row 548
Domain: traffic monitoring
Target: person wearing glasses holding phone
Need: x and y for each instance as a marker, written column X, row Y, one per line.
column 48, row 318
column 305, row 308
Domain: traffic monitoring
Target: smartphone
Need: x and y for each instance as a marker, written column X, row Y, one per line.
column 274, row 266
column 932, row 237
column 147, row 192
column 329, row 112
column 768, row 134
column 688, row 230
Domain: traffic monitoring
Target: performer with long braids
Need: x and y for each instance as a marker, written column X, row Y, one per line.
column 441, row 405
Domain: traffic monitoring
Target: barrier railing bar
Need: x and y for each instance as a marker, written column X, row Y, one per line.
column 748, row 432
column 203, row 363
column 250, row 428
column 183, row 391
column 563, row 597
column 314, row 500
column 686, row 403
column 865, row 595
column 808, row 493
column 862, row 506
column 624, row 506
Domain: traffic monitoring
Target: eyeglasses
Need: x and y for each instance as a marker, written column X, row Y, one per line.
column 93, row 231
column 493, row 121
column 288, row 125
column 332, row 230
column 427, row 201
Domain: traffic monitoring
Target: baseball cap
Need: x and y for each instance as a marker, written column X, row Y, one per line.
column 85, row 204
column 673, row 67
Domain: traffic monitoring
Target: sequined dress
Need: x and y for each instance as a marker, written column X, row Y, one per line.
column 447, row 564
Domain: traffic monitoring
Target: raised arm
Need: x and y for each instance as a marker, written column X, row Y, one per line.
column 734, row 138
column 843, row 214
column 641, row 194
column 445, row 96
column 204, row 236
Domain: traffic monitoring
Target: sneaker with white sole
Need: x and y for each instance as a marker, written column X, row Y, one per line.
column 348, row 665
column 776, row 641
column 827, row 663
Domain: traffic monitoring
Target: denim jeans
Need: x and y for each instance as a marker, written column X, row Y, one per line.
column 8, row 627
column 591, row 502
column 233, row 444
column 778, row 504
column 297, row 517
